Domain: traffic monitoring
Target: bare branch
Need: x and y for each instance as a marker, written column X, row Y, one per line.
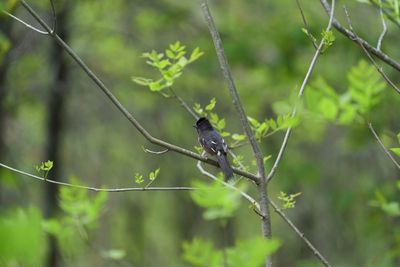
column 371, row 59
column 121, row 108
column 96, row 189
column 382, row 56
column 231, row 86
column 387, row 13
column 299, row 233
column 155, row 152
column 25, row 23
column 384, row 30
column 383, row 146
column 300, row 94
column 184, row 104
column 303, row 17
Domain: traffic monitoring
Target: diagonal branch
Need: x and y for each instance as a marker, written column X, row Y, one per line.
column 120, row 107
column 383, row 146
column 231, row 86
column 300, row 94
column 96, row 189
column 382, row 56
column 299, row 233
column 371, row 59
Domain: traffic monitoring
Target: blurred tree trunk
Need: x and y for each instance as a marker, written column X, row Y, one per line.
column 55, row 123
column 5, row 31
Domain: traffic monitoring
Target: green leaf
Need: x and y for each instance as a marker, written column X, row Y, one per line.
column 398, row 137
column 138, row 178
column 241, row 255
column 396, row 150
column 142, row 81
column 114, row 254
column 170, row 54
column 202, row 253
column 153, row 175
column 392, row 209
column 221, row 124
column 253, row 122
column 196, row 54
column 238, row 137
column 219, row 202
column 328, row 108
column 211, row 106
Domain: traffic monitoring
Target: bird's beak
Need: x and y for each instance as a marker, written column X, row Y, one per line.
column 195, row 126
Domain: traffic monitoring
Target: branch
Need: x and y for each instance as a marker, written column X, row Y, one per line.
column 121, row 108
column 276, row 209
column 384, row 30
column 300, row 94
column 300, row 234
column 385, row 58
column 371, row 59
column 96, row 189
column 383, row 146
column 25, row 23
column 303, row 17
column 183, row 103
column 387, row 13
column 223, row 62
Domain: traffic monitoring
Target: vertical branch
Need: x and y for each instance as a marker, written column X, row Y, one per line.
column 261, row 185
column 231, row 85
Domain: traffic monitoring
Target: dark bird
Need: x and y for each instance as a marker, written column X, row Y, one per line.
column 214, row 144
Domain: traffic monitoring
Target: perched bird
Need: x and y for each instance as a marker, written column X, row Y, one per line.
column 214, row 144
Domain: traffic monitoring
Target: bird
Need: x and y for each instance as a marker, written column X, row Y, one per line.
column 213, row 143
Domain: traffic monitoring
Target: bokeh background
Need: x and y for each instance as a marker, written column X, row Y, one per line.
column 50, row 109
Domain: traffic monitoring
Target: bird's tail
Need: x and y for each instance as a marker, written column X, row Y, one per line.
column 225, row 165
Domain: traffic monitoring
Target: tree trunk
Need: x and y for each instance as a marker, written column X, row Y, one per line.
column 55, row 122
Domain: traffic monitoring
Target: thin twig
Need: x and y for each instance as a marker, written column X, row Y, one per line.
column 300, row 94
column 96, row 189
column 382, row 56
column 384, row 30
column 53, row 11
column 155, row 152
column 383, row 146
column 183, row 103
column 299, row 233
column 121, row 108
column 387, row 13
column 303, row 17
column 25, row 23
column 371, row 59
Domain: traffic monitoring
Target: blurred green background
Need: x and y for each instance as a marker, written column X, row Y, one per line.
column 50, row 110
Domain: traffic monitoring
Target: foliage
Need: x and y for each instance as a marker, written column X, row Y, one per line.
column 288, row 201
column 396, row 150
column 151, row 177
column 249, row 253
column 44, row 168
column 362, row 95
column 391, row 208
column 23, row 241
column 170, row 64
column 218, row 201
column 81, row 214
